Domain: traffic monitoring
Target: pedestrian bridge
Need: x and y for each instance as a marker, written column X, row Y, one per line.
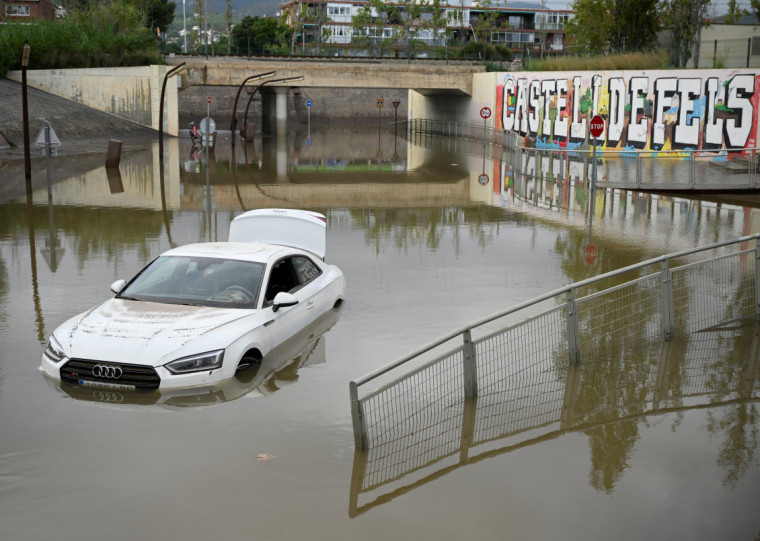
column 426, row 78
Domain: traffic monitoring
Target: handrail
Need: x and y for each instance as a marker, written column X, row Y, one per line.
column 546, row 296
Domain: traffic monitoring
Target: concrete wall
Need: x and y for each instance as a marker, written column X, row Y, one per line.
column 329, row 106
column 714, row 110
column 130, row 93
column 723, row 45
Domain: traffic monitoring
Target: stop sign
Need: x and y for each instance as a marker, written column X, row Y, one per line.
column 589, row 253
column 597, row 126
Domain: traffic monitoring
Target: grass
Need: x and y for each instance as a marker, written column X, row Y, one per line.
column 627, row 61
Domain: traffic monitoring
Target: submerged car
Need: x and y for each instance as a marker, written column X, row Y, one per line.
column 201, row 313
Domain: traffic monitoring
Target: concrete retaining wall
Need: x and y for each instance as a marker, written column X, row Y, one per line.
column 130, row 93
column 329, row 105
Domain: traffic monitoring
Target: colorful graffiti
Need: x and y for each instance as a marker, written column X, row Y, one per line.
column 710, row 110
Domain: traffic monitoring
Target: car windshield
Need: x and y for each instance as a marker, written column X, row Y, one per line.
column 197, row 281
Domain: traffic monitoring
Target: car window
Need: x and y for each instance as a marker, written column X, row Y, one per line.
column 306, row 269
column 201, row 281
column 282, row 278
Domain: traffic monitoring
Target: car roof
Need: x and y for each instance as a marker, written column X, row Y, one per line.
column 243, row 251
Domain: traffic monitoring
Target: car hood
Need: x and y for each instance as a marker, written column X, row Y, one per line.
column 145, row 332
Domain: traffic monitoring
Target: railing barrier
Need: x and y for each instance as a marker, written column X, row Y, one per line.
column 698, row 295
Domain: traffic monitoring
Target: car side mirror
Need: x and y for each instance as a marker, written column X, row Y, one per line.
column 118, row 285
column 283, row 300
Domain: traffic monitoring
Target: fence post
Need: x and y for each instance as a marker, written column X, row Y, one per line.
column 668, row 316
column 749, row 50
column 470, row 366
column 573, row 334
column 357, row 417
column 757, row 277
column 692, row 172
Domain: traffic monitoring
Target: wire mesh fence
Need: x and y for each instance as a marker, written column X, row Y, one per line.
column 622, row 381
column 528, row 375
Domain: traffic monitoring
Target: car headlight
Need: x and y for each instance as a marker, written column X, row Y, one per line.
column 54, row 351
column 196, row 363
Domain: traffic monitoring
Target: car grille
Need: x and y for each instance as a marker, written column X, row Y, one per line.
column 142, row 377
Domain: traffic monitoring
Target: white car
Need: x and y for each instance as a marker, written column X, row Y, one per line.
column 201, row 313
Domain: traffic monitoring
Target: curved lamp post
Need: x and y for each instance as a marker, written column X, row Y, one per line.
column 244, row 129
column 172, row 72
column 237, row 96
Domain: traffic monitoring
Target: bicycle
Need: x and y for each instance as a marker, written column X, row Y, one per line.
column 194, row 135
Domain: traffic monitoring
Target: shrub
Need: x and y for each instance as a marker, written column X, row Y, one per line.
column 103, row 35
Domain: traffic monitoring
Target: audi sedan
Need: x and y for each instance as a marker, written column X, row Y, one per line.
column 202, row 313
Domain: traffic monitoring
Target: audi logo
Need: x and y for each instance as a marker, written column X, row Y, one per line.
column 107, row 371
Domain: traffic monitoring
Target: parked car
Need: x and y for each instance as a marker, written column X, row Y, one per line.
column 201, row 313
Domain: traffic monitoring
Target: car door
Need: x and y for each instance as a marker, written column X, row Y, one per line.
column 299, row 276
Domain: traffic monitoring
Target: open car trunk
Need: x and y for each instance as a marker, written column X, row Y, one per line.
column 301, row 229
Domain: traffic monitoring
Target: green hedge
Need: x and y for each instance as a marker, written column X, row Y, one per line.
column 101, row 36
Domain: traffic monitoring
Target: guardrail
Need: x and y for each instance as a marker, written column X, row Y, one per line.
column 698, row 295
column 617, row 389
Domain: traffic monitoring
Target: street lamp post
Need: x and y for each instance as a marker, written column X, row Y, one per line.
column 237, row 96
column 244, row 130
column 25, row 109
column 184, row 27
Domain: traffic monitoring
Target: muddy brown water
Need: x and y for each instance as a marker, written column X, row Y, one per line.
column 426, row 248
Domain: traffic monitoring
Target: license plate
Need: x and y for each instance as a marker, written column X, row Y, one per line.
column 103, row 385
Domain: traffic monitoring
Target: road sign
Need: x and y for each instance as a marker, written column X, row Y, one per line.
column 485, row 112
column 308, row 103
column 54, row 141
column 207, row 126
column 209, row 99
column 396, row 104
column 380, row 102
column 590, row 253
column 483, row 179
column 597, row 126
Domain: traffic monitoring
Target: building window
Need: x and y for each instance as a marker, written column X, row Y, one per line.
column 16, row 10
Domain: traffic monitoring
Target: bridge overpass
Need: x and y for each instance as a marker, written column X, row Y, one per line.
column 426, row 78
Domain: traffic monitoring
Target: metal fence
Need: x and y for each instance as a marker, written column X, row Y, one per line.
column 711, row 286
column 550, row 398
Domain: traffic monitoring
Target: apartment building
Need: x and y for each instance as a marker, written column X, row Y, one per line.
column 527, row 29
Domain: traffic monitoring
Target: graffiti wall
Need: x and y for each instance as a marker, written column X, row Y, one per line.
column 710, row 110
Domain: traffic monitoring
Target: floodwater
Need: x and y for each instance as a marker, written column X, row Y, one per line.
column 427, row 245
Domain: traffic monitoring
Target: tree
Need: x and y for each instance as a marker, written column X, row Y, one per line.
column 614, row 26
column 261, row 32
column 684, row 19
column 159, row 13
column 488, row 20
column 755, row 8
column 363, row 29
column 228, row 20
column 734, row 12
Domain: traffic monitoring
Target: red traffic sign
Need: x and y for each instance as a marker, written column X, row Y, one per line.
column 590, row 253
column 483, row 179
column 597, row 126
column 485, row 112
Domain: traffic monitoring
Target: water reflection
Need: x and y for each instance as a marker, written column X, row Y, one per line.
column 607, row 398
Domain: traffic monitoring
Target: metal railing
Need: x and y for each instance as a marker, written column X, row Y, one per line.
column 659, row 301
column 615, row 386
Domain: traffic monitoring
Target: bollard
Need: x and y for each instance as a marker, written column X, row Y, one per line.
column 113, row 156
